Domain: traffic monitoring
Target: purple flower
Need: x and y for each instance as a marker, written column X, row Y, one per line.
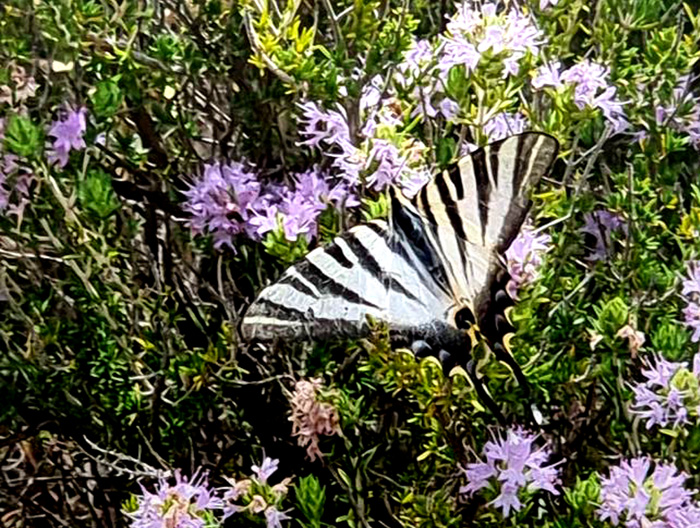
column 266, row 469
column 682, row 111
column 223, row 200
column 547, row 75
column 524, row 256
column 691, row 314
column 449, row 108
column 521, row 34
column 668, row 395
column 457, row 51
column 587, row 77
column 611, row 108
column 417, row 58
column 691, row 293
column 691, row 285
column 68, row 135
column 504, row 124
column 321, row 126
column 600, row 225
column 183, row 505
column 640, row 498
column 544, row 4
column 389, row 162
column 274, row 517
column 513, row 465
column 371, row 93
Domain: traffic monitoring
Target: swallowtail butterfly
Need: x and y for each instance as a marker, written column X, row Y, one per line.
column 433, row 272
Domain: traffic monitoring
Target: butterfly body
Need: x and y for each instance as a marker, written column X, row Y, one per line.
column 433, row 272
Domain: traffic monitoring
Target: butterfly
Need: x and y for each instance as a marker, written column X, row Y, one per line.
column 433, row 271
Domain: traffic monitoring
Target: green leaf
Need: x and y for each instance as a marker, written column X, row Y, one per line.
column 22, row 137
column 311, row 497
column 96, row 195
column 106, row 99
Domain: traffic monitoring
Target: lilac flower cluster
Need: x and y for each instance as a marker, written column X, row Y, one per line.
column 591, row 86
column 682, row 112
column 514, row 467
column 524, row 257
column 67, row 132
column 15, row 181
column 257, row 495
column 691, row 294
column 504, row 124
column 638, row 497
column 183, row 505
column 312, row 418
column 192, row 503
column 381, row 159
column 229, row 200
column 474, row 32
column 600, row 225
column 670, row 395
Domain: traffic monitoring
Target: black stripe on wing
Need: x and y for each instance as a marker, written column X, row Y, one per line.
column 410, row 235
column 371, row 265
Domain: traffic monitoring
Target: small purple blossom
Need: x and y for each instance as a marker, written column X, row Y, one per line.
column 223, row 200
column 328, row 130
column 15, row 181
column 691, row 294
column 274, row 517
column 592, row 89
column 514, row 467
column 681, row 111
column 504, row 124
column 640, row 497
column 449, row 108
column 182, row 505
column 611, row 108
column 600, row 225
column 67, row 132
column 417, row 58
column 691, row 285
column 691, row 314
column 544, row 4
column 524, row 257
column 473, row 32
column 389, row 162
column 547, row 75
column 327, row 127
column 265, row 470
column 670, row 395
column 588, row 77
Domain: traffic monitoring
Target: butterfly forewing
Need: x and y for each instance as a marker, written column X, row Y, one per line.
column 440, row 253
column 365, row 272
